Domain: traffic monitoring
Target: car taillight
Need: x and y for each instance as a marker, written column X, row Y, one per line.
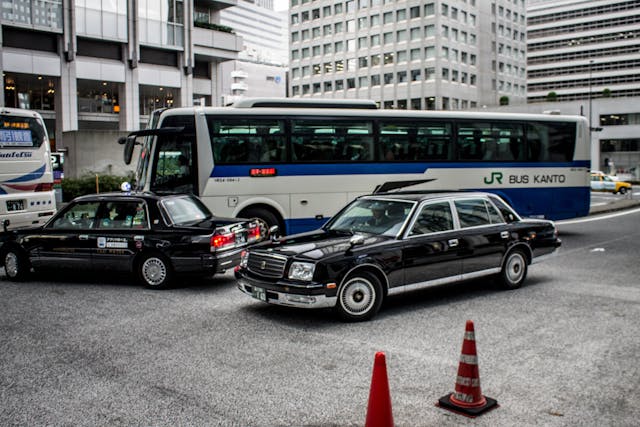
column 221, row 240
column 254, row 233
column 44, row 187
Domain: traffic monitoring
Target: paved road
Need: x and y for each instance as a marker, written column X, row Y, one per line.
column 99, row 351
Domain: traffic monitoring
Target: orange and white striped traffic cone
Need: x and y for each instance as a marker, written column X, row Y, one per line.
column 467, row 399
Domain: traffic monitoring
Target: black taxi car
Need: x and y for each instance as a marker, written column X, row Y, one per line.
column 386, row 244
column 153, row 236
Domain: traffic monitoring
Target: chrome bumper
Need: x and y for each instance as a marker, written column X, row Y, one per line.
column 286, row 299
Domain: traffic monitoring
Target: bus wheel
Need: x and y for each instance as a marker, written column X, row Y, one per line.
column 154, row 271
column 266, row 216
column 16, row 264
column 514, row 270
column 360, row 297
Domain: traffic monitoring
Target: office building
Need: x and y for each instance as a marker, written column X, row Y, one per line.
column 95, row 69
column 261, row 67
column 584, row 58
column 410, row 54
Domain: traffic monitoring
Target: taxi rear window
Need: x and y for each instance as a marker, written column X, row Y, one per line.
column 185, row 210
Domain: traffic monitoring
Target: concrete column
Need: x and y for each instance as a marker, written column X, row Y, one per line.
column 1, row 72
column 129, row 93
column 67, row 98
column 216, row 83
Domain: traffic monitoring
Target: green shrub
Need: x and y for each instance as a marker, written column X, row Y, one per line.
column 74, row 187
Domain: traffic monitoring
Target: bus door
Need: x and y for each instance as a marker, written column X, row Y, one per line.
column 174, row 167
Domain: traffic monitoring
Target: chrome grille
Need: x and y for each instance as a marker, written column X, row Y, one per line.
column 267, row 265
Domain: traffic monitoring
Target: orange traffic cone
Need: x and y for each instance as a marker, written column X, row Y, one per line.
column 467, row 399
column 379, row 409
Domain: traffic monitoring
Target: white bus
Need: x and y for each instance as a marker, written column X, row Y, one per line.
column 295, row 163
column 27, row 197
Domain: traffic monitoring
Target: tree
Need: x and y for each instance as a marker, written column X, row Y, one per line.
column 552, row 96
column 504, row 100
column 606, row 93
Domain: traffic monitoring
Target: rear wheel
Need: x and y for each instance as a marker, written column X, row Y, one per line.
column 16, row 264
column 623, row 190
column 360, row 297
column 154, row 270
column 267, row 219
column 514, row 270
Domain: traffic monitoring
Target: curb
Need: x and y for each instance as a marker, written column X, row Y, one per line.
column 618, row 205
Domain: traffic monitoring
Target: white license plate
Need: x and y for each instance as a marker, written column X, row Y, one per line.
column 259, row 293
column 15, row 205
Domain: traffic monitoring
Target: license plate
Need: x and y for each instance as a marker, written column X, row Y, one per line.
column 15, row 205
column 259, row 293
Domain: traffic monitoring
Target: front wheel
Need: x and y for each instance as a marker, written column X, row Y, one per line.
column 514, row 270
column 623, row 190
column 154, row 271
column 16, row 264
column 360, row 297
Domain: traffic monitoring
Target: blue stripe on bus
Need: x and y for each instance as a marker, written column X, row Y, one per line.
column 303, row 169
column 36, row 174
column 563, row 203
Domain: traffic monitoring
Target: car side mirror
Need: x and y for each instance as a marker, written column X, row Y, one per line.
column 356, row 240
column 274, row 232
column 5, row 225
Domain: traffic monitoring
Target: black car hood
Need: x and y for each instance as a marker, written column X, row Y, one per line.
column 316, row 244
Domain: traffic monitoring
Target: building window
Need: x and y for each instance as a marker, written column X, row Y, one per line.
column 32, row 92
column 161, row 22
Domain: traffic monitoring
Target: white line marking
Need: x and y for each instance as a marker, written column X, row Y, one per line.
column 597, row 218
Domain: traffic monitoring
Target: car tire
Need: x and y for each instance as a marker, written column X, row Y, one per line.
column 359, row 297
column 514, row 269
column 154, row 271
column 16, row 264
column 623, row 190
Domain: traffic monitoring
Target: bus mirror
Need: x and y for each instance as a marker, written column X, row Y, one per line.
column 128, row 149
column 122, row 140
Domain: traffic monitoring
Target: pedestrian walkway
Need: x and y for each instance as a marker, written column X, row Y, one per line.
column 618, row 205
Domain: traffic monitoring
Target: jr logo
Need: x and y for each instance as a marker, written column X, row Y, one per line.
column 495, row 176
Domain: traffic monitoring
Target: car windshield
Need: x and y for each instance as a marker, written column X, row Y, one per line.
column 185, row 210
column 372, row 216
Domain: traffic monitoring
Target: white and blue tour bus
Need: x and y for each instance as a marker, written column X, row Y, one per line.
column 295, row 163
column 27, row 197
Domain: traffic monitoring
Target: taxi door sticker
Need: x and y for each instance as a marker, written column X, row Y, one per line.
column 102, row 242
column 117, row 243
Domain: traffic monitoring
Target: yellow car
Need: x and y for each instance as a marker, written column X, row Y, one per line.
column 602, row 182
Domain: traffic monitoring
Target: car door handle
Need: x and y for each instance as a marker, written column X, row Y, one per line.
column 83, row 237
column 453, row 243
column 504, row 234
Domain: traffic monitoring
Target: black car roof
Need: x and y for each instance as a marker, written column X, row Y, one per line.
column 417, row 196
column 128, row 195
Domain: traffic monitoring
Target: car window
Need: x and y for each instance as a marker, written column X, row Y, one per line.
column 374, row 216
column 79, row 216
column 123, row 214
column 185, row 210
column 508, row 214
column 433, row 218
column 472, row 213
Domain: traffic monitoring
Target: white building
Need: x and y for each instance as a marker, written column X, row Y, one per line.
column 584, row 58
column 95, row 69
column 409, row 54
column 261, row 67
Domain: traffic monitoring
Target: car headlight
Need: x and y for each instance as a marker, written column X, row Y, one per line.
column 301, row 271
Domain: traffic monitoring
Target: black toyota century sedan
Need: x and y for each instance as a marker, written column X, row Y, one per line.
column 156, row 237
column 386, row 244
